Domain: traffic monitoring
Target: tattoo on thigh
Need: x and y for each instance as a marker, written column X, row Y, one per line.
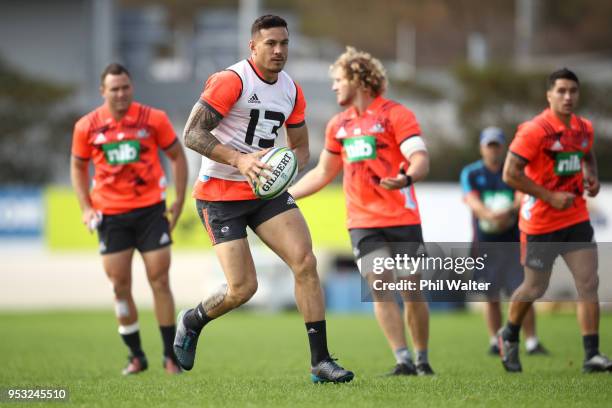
column 215, row 299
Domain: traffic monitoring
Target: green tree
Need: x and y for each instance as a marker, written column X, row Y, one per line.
column 33, row 127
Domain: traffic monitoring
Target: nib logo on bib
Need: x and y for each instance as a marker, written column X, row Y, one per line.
column 253, row 99
column 568, row 163
column 124, row 152
column 360, row 148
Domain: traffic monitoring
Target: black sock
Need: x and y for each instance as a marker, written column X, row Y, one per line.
column 197, row 318
column 511, row 332
column 591, row 345
column 317, row 337
column 132, row 340
column 167, row 333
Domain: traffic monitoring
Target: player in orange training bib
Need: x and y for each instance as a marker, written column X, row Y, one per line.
column 378, row 144
column 551, row 160
column 127, row 205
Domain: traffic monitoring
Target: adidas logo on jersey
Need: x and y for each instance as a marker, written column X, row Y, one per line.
column 557, row 146
column 254, row 99
column 100, row 139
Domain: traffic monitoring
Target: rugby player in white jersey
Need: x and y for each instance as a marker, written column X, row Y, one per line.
column 232, row 125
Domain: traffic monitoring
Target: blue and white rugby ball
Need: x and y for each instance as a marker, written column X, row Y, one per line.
column 284, row 170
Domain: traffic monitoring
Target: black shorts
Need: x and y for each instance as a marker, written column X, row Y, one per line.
column 366, row 240
column 503, row 269
column 540, row 251
column 145, row 229
column 227, row 220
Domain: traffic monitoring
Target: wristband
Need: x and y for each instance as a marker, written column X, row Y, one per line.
column 408, row 178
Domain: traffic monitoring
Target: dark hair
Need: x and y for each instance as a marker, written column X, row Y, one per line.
column 563, row 73
column 267, row 21
column 114, row 69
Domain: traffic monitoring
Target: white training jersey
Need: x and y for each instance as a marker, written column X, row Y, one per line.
column 253, row 121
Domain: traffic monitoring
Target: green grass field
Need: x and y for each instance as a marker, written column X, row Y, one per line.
column 248, row 359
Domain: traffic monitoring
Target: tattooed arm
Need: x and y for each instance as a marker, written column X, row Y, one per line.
column 198, row 137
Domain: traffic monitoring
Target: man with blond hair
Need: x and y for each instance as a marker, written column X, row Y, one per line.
column 378, row 144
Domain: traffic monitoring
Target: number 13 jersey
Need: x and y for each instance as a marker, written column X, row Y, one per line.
column 253, row 112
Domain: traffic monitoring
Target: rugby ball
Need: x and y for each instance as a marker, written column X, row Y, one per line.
column 284, row 170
